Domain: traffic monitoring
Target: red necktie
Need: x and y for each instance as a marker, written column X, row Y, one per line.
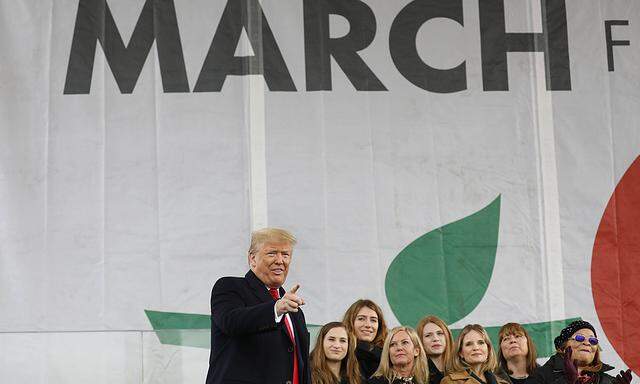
column 276, row 295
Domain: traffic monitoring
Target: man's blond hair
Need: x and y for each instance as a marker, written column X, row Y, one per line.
column 270, row 235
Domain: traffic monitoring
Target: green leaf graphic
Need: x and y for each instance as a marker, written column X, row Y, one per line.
column 190, row 329
column 445, row 272
column 185, row 329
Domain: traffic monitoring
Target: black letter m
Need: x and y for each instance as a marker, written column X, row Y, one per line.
column 94, row 22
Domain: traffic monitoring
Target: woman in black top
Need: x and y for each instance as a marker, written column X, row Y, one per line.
column 364, row 320
column 403, row 360
column 577, row 359
column 333, row 359
column 517, row 353
column 438, row 344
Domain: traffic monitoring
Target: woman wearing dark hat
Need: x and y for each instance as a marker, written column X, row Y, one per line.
column 577, row 359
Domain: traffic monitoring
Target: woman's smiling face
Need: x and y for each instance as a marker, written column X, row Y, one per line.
column 475, row 350
column 336, row 344
column 366, row 324
column 582, row 352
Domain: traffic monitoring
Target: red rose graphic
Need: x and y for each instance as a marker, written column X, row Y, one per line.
column 615, row 268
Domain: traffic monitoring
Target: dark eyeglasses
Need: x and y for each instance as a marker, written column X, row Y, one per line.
column 581, row 338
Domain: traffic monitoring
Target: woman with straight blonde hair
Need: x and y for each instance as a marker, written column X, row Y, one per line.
column 403, row 360
column 333, row 359
column 438, row 345
column 364, row 320
column 474, row 360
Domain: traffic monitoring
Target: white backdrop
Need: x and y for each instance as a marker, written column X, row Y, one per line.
column 113, row 203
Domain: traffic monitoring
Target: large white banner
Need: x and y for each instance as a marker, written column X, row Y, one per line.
column 472, row 159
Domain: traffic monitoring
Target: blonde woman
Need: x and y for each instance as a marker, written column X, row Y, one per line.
column 333, row 359
column 474, row 360
column 438, row 345
column 364, row 320
column 402, row 360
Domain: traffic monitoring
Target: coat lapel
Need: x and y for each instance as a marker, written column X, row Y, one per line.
column 262, row 293
column 258, row 288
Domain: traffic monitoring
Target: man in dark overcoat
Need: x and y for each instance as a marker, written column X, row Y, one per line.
column 258, row 331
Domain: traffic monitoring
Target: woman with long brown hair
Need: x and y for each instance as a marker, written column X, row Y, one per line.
column 365, row 321
column 333, row 359
column 474, row 360
column 438, row 345
column 517, row 353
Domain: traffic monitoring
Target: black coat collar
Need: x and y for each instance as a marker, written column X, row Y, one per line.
column 259, row 288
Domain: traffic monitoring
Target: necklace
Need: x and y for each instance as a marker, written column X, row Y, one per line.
column 401, row 378
column 520, row 377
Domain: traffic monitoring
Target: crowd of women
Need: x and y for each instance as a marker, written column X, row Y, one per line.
column 361, row 350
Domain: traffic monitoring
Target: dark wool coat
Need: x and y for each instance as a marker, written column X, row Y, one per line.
column 552, row 372
column 435, row 376
column 247, row 345
column 368, row 356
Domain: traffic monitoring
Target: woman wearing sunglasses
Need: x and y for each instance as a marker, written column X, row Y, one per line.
column 577, row 359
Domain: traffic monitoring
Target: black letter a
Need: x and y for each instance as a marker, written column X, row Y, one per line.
column 221, row 61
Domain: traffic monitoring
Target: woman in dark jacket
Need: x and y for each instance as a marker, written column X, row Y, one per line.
column 438, row 346
column 364, row 320
column 403, row 360
column 516, row 353
column 577, row 360
column 333, row 359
